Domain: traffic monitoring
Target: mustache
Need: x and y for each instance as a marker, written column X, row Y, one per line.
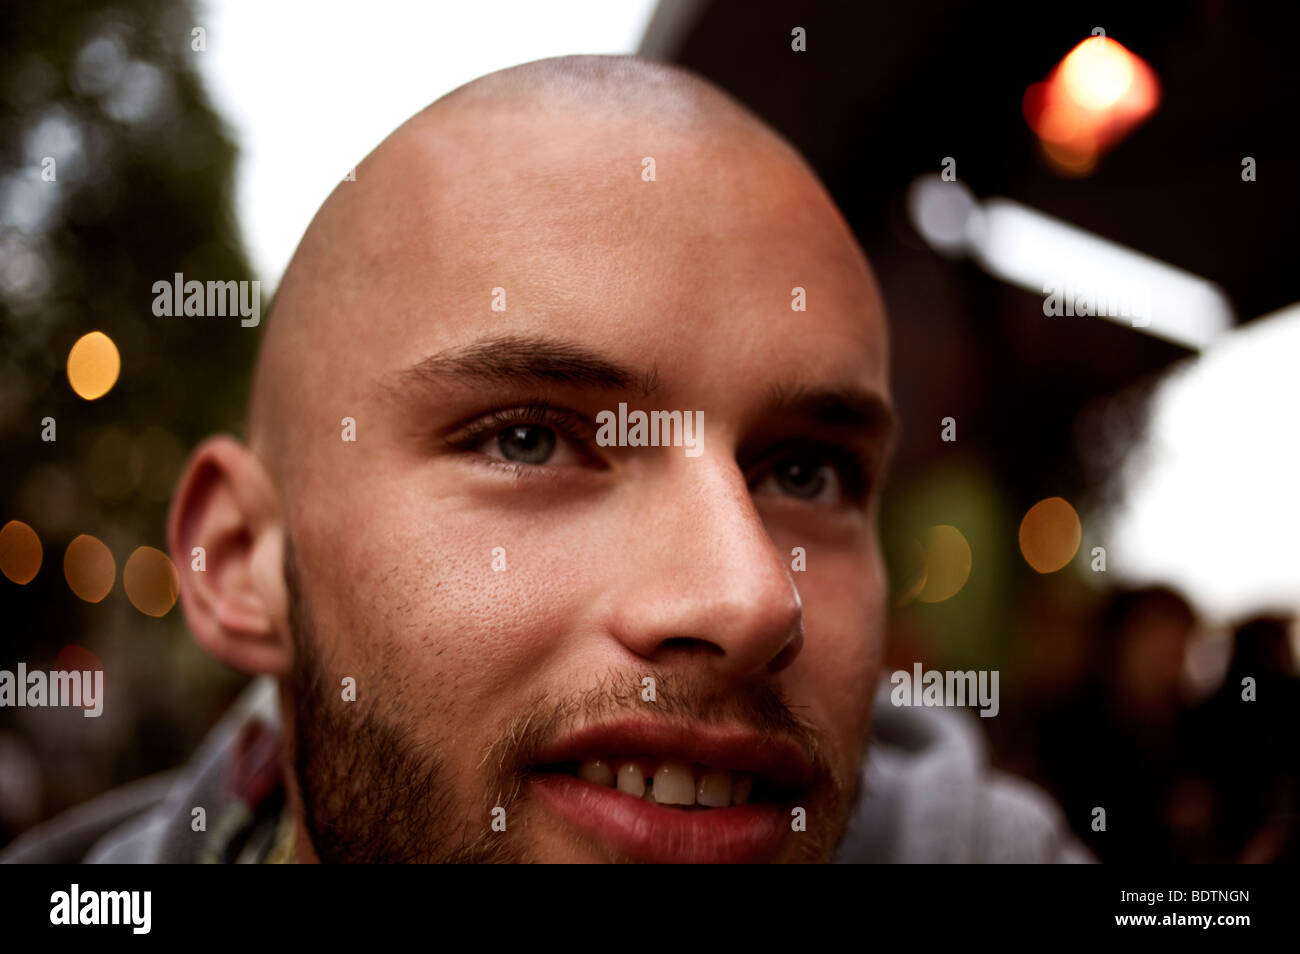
column 759, row 707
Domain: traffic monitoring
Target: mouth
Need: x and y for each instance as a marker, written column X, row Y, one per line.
column 675, row 794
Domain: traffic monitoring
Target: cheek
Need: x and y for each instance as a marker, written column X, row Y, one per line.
column 451, row 610
column 835, row 675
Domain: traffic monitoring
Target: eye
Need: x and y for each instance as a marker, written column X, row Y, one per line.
column 526, row 444
column 530, row 435
column 809, row 478
column 806, row 479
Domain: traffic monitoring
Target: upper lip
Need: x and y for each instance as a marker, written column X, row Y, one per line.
column 777, row 759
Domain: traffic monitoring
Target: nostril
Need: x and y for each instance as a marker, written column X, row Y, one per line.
column 788, row 653
column 690, row 643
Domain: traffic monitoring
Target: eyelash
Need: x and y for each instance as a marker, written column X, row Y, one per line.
column 852, row 468
column 565, row 423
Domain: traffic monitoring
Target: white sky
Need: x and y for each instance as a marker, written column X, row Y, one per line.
column 310, row 88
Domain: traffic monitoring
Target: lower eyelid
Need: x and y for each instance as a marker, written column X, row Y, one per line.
column 569, row 455
column 511, row 468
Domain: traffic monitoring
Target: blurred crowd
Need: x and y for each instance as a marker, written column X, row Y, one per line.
column 1182, row 737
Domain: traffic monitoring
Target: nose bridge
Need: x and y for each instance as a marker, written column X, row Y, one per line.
column 721, row 515
column 714, row 578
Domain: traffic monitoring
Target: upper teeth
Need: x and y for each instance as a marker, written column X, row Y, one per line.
column 670, row 783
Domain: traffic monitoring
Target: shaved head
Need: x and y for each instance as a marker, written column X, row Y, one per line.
column 500, row 635
column 543, row 127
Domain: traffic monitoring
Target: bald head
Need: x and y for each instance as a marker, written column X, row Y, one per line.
column 545, row 151
column 601, row 86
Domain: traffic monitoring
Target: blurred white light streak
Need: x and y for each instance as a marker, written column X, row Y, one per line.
column 1035, row 251
column 1039, row 253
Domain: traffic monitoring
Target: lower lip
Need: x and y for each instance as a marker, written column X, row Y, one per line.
column 740, row 834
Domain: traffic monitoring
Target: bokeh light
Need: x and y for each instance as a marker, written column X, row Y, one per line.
column 151, row 581
column 1097, row 73
column 1092, row 99
column 1050, row 534
column 20, row 551
column 93, row 365
column 89, row 568
column 947, row 561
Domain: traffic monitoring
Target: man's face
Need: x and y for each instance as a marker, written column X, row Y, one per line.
column 500, row 586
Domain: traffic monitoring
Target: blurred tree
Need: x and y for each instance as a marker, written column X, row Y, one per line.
column 115, row 173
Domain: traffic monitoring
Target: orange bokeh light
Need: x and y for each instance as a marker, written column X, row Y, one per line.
column 1050, row 534
column 20, row 552
column 89, row 568
column 1090, row 101
column 151, row 581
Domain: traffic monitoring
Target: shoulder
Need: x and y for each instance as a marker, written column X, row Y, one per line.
column 69, row 837
column 929, row 795
column 149, row 820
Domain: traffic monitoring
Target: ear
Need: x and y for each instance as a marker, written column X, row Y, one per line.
column 233, row 590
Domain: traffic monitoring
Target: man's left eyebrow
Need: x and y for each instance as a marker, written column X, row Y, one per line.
column 848, row 410
column 528, row 360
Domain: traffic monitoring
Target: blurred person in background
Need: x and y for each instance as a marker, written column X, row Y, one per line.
column 1243, row 739
column 1121, row 745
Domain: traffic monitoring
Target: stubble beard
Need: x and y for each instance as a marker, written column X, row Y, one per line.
column 371, row 791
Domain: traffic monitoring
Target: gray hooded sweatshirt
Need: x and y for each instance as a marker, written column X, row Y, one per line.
column 928, row 795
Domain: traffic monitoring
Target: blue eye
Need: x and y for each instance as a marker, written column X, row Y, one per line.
column 526, row 443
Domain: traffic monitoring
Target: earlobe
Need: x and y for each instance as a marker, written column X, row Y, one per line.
column 227, row 541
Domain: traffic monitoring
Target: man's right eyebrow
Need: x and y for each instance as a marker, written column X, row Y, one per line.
column 529, row 360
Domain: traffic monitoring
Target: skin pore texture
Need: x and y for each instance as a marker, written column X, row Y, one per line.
column 475, row 430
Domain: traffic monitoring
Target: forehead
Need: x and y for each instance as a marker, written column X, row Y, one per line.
column 497, row 224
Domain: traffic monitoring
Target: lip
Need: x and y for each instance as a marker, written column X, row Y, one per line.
column 643, row 830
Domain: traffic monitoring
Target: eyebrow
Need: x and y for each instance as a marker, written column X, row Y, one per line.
column 529, row 359
column 847, row 410
column 539, row 360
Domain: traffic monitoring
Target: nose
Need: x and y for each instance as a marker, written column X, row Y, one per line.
column 704, row 579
